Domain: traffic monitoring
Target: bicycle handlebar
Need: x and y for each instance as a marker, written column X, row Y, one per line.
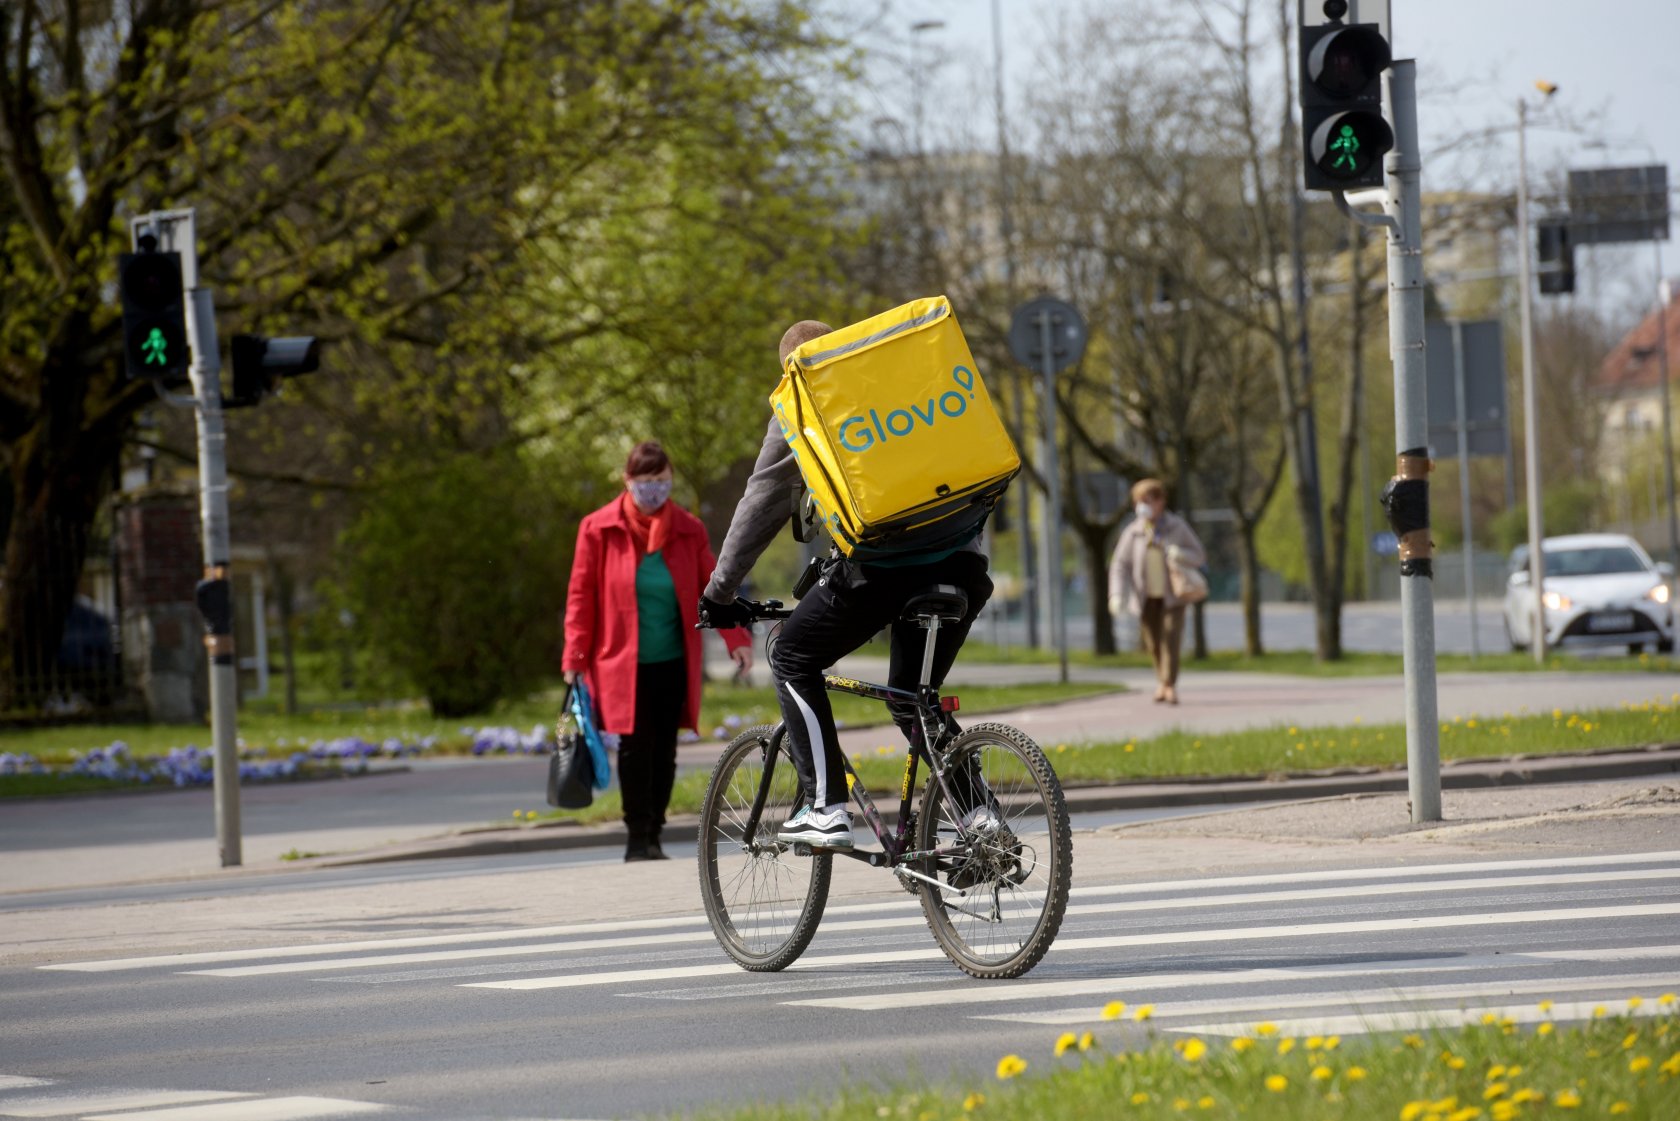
column 756, row 610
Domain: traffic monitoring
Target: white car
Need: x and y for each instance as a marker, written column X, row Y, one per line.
column 1600, row 589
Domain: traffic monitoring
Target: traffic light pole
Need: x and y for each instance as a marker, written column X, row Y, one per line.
column 1055, row 612
column 176, row 229
column 1406, row 497
column 1531, row 411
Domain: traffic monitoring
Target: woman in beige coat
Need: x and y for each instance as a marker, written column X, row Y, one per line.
column 1154, row 543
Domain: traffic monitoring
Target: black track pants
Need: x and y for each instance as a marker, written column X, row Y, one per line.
column 837, row 616
column 647, row 757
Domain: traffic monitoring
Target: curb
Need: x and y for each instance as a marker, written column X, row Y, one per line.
column 1473, row 775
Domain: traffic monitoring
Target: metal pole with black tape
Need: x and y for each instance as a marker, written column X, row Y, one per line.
column 1406, row 496
column 177, row 229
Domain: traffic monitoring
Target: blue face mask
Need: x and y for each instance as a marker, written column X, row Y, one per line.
column 651, row 496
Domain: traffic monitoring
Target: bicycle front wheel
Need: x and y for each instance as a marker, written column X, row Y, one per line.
column 763, row 901
column 1003, row 883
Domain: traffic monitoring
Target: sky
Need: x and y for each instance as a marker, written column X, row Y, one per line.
column 1615, row 66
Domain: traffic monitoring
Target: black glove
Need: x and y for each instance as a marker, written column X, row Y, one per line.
column 716, row 616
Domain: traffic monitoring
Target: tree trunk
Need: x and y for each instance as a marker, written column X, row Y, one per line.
column 1248, row 562
column 1094, row 538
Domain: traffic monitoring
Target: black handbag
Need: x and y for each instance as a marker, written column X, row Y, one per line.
column 571, row 770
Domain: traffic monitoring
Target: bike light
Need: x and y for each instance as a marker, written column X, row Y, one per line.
column 949, row 704
column 1557, row 601
column 1658, row 594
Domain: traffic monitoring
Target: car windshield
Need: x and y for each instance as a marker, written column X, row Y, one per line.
column 1604, row 561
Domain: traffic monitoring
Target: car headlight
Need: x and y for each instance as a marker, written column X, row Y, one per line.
column 1557, row 601
column 1658, row 594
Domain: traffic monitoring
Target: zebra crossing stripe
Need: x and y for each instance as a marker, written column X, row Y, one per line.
column 1423, row 1019
column 1272, row 1005
column 59, row 1105
column 302, row 1108
column 1106, row 988
column 1425, row 876
column 1169, row 937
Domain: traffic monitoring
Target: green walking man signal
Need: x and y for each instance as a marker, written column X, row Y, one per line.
column 1346, row 147
column 156, row 348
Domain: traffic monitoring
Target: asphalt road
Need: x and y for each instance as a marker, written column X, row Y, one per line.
column 596, row 991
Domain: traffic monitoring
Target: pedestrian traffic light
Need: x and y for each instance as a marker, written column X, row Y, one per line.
column 1557, row 259
column 1343, row 131
column 260, row 364
column 154, row 316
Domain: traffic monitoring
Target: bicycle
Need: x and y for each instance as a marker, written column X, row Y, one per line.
column 989, row 849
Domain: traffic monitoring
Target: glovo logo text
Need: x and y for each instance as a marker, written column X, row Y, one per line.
column 860, row 433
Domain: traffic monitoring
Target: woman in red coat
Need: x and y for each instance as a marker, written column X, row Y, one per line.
column 630, row 612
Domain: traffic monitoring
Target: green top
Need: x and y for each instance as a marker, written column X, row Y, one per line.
column 659, row 636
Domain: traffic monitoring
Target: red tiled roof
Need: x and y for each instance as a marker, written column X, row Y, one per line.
column 1634, row 363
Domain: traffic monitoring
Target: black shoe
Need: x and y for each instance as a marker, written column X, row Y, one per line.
column 637, row 849
column 654, row 852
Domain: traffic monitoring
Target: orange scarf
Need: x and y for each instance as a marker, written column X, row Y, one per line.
column 649, row 530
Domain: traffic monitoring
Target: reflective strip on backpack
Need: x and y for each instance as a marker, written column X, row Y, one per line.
column 923, row 320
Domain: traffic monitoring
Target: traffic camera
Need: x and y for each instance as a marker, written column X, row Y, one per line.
column 260, row 364
column 1343, row 132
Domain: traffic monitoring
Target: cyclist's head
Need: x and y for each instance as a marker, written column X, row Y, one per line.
column 798, row 335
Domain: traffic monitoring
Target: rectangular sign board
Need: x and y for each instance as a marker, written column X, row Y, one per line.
column 1482, row 346
column 1614, row 204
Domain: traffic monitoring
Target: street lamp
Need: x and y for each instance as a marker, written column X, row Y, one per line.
column 916, row 31
column 1531, row 418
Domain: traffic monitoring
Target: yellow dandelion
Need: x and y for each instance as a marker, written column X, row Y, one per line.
column 1285, row 1046
column 1205, row 1102
column 1332, row 1042
column 1411, row 1111
column 1140, row 1098
column 1667, row 999
column 1010, row 1065
column 973, row 1102
column 1513, row 1072
column 1497, row 1090
column 1277, row 1083
column 1671, row 1066
column 1456, row 1063
column 1267, row 1028
column 1412, row 1041
column 1321, row 1073
column 1314, row 1042
column 1495, row 1072
column 1567, row 1099
column 1114, row 1009
column 1489, row 1018
column 1504, row 1111
column 1142, row 1012
column 1354, row 1074
column 1241, row 1044
column 1629, row 1040
column 1064, row 1041
column 1468, row 1113
column 1192, row 1049
column 1543, row 1029
column 1639, row 1064
column 1635, row 1001
column 1085, row 1041
column 1599, row 1011
column 1619, row 1107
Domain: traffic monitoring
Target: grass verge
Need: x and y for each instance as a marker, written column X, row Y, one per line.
column 261, row 726
column 1257, row 753
column 1615, row 1066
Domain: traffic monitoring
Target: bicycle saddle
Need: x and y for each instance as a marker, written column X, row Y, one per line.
column 947, row 601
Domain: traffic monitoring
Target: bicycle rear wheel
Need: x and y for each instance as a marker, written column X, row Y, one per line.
column 1005, row 888
column 764, row 903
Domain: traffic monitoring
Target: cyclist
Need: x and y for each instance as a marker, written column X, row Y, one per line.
column 850, row 603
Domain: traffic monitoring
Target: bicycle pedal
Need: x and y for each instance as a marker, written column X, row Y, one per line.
column 802, row 848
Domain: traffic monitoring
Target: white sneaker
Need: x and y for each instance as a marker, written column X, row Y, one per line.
column 831, row 830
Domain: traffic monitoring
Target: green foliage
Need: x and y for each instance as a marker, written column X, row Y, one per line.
column 1571, row 507
column 457, row 579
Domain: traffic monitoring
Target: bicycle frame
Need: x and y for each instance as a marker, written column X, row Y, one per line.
column 894, row 850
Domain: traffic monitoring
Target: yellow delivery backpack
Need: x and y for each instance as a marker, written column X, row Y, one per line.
column 898, row 441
